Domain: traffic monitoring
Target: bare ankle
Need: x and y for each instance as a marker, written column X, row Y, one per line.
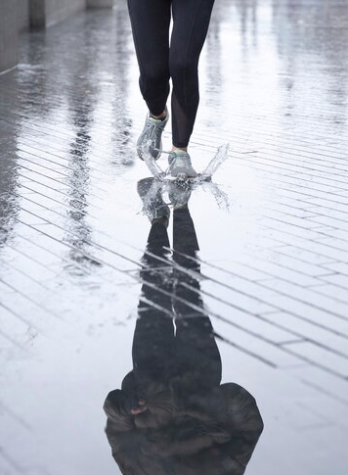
column 174, row 149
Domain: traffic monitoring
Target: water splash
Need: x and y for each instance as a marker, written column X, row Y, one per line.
column 221, row 198
column 150, row 191
column 219, row 158
column 153, row 166
column 151, row 163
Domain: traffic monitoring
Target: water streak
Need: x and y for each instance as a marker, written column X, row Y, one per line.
column 220, row 157
column 153, row 166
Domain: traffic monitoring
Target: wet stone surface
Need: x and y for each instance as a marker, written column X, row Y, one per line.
column 262, row 253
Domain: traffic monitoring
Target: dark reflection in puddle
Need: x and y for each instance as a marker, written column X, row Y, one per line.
column 172, row 415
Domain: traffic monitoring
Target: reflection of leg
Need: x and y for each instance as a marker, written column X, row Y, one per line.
column 185, row 244
column 156, row 273
column 195, row 345
column 184, row 234
column 154, row 332
column 150, row 21
column 155, row 260
column 158, row 239
column 197, row 350
column 152, row 348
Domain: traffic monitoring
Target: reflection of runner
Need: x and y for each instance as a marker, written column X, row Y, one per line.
column 172, row 415
column 160, row 60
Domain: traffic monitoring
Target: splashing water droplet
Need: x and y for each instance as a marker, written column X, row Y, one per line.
column 220, row 156
column 151, row 163
column 153, row 166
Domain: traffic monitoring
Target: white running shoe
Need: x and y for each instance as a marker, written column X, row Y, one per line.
column 150, row 139
column 180, row 165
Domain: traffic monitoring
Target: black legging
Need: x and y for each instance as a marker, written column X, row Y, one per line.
column 158, row 60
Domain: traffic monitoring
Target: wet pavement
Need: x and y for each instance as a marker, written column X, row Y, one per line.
column 271, row 273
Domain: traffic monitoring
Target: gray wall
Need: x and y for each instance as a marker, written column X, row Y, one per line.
column 8, row 34
column 44, row 13
column 100, row 3
column 37, row 13
column 58, row 10
column 18, row 15
column 23, row 14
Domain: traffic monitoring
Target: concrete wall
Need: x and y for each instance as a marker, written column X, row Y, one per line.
column 23, row 14
column 37, row 13
column 58, row 10
column 44, row 13
column 18, row 15
column 100, row 3
column 8, row 34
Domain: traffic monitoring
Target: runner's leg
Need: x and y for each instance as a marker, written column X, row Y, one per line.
column 150, row 20
column 191, row 20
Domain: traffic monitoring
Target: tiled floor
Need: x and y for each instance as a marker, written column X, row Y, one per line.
column 273, row 230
